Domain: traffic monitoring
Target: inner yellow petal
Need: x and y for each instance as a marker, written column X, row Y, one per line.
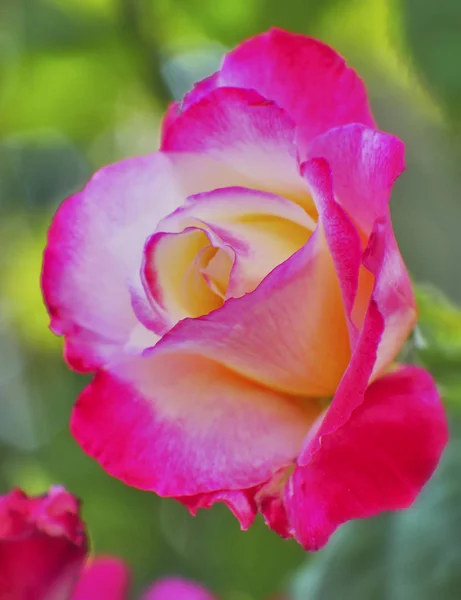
column 217, row 272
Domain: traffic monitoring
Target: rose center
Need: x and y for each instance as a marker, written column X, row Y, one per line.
column 205, row 281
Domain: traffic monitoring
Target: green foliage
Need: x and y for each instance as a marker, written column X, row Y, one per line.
column 439, row 321
column 47, row 27
column 230, row 22
column 433, row 35
column 437, row 340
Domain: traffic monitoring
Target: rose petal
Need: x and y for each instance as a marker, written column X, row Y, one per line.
column 252, row 136
column 95, row 244
column 173, row 110
column 105, row 577
column 351, row 389
column 365, row 164
column 303, row 76
column 289, row 334
column 261, row 229
column 393, row 290
column 177, row 589
column 389, row 313
column 239, row 502
column 201, row 88
column 42, row 545
column 379, row 460
column 339, row 233
column 173, row 281
column 185, row 425
column 91, row 270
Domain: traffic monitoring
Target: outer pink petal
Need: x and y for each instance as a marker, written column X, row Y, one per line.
column 104, row 578
column 252, row 136
column 351, row 389
column 201, row 88
column 392, row 289
column 364, row 164
column 182, row 425
column 173, row 110
column 240, row 502
column 90, row 278
column 303, row 76
column 177, row 589
column 270, row 502
column 388, row 319
column 339, row 232
column 42, row 545
column 379, row 460
column 95, row 247
column 393, row 292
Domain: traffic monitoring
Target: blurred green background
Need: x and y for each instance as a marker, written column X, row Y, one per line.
column 84, row 83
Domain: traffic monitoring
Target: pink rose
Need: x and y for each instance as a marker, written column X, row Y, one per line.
column 42, row 545
column 43, row 551
column 107, row 577
column 242, row 299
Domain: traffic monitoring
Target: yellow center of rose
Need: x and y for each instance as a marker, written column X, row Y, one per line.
column 205, row 281
column 213, row 250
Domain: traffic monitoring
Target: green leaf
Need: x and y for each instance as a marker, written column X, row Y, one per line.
column 433, row 34
column 437, row 340
column 36, row 172
column 230, row 22
column 48, row 27
column 406, row 555
column 439, row 320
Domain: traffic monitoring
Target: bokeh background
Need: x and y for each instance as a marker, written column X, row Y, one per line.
column 84, row 83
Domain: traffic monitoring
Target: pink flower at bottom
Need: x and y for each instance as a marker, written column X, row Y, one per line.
column 108, row 578
column 241, row 298
column 44, row 553
column 42, row 545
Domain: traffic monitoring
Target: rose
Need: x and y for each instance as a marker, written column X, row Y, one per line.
column 43, row 550
column 42, row 545
column 242, row 299
column 108, row 577
column 167, row 589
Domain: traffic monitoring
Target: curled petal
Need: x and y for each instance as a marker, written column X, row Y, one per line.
column 289, row 334
column 257, row 229
column 365, row 164
column 172, row 271
column 379, row 460
column 393, row 292
column 240, row 502
column 338, row 232
column 377, row 274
